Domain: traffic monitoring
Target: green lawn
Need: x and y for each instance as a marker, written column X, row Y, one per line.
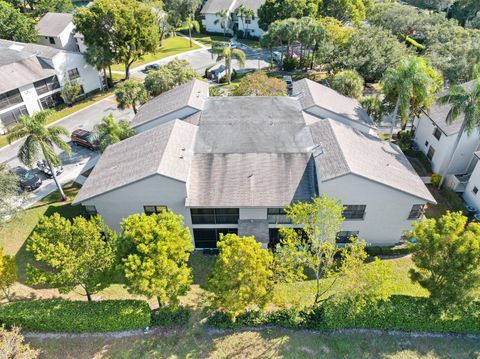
column 170, row 46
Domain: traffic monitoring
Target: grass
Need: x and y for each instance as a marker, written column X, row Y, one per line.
column 170, row 46
column 208, row 40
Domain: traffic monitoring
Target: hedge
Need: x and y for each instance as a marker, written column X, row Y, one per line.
column 405, row 313
column 170, row 316
column 389, row 251
column 76, row 316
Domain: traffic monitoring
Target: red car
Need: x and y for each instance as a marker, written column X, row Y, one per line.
column 84, row 138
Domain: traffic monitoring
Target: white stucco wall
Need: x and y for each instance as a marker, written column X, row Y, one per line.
column 252, row 28
column 155, row 190
column 179, row 114
column 90, row 78
column 323, row 113
column 473, row 199
column 65, row 41
column 443, row 147
column 386, row 213
column 209, row 24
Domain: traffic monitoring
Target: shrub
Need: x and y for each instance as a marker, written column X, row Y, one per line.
column 170, row 316
column 435, row 179
column 404, row 140
column 289, row 63
column 421, row 157
column 76, row 317
column 240, row 34
column 454, row 199
column 389, row 251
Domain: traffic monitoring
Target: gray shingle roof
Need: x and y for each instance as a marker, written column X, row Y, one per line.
column 53, row 23
column 214, row 6
column 164, row 150
column 47, row 52
column 343, row 150
column 438, row 114
column 312, row 94
column 191, row 94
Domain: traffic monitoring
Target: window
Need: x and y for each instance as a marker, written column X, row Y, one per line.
column 52, row 40
column 354, row 211
column 208, row 237
column 91, row 210
column 214, row 215
column 10, row 98
column 416, row 211
column 46, row 85
column 154, row 209
column 73, row 74
column 426, row 143
column 475, row 190
column 430, row 153
column 437, row 133
column 344, row 236
column 11, row 117
column 277, row 216
column 248, row 21
column 51, row 101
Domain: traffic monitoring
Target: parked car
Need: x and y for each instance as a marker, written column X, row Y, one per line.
column 29, row 180
column 277, row 56
column 84, row 138
column 152, row 67
column 293, row 55
column 45, row 168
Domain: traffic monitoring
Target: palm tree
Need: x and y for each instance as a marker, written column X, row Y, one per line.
column 412, row 85
column 40, row 140
column 191, row 24
column 110, row 131
column 131, row 94
column 464, row 100
column 222, row 16
column 245, row 13
column 227, row 53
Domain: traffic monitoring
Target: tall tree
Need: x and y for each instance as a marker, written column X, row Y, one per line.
column 14, row 25
column 109, row 131
column 44, row 6
column 353, row 11
column 131, row 94
column 40, row 141
column 412, row 86
column 191, row 24
column 447, row 258
column 8, row 273
column 102, row 59
column 259, row 84
column 245, row 14
column 465, row 105
column 374, row 107
column 273, row 10
column 228, row 54
column 179, row 10
column 9, row 196
column 348, row 83
column 73, row 253
column 155, row 255
column 222, row 19
column 242, row 274
column 126, row 28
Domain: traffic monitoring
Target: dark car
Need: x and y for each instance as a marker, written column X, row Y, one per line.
column 152, row 67
column 84, row 138
column 29, row 180
column 45, row 168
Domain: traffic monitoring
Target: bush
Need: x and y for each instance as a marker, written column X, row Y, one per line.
column 454, row 199
column 420, row 156
column 170, row 316
column 76, row 317
column 389, row 251
column 435, row 179
column 404, row 140
column 240, row 34
column 416, row 314
column 289, row 63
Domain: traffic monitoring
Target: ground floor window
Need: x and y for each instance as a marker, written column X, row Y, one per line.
column 430, row 153
column 51, row 101
column 345, row 236
column 10, row 118
column 154, row 209
column 208, row 237
column 91, row 210
column 416, row 211
column 275, row 237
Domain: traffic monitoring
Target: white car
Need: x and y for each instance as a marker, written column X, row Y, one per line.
column 277, row 56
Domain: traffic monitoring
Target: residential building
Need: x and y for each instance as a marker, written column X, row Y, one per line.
column 57, row 30
column 33, row 75
column 435, row 137
column 212, row 22
column 231, row 164
column 470, row 193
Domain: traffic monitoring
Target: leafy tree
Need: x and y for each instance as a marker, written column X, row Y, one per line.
column 157, row 249
column 228, row 54
column 180, row 10
column 222, row 19
column 16, row 26
column 175, row 73
column 273, row 10
column 101, row 58
column 259, row 84
column 12, row 345
column 348, row 83
column 125, row 28
column 131, row 94
column 8, row 273
column 40, row 140
column 353, row 11
column 191, row 24
column 44, row 6
column 464, row 100
column 242, row 275
column 110, row 131
column 70, row 91
column 465, row 10
column 73, row 253
column 370, row 51
column 412, row 85
column 374, row 107
column 447, row 258
column 8, row 193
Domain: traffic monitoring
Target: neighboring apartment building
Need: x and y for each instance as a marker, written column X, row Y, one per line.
column 212, row 23
column 436, row 138
column 57, row 30
column 231, row 164
column 32, row 77
column 471, row 195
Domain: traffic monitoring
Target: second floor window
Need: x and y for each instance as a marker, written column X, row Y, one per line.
column 356, row 211
column 46, row 85
column 277, row 216
column 154, row 209
column 437, row 133
column 73, row 74
column 416, row 211
column 215, row 215
column 10, row 98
